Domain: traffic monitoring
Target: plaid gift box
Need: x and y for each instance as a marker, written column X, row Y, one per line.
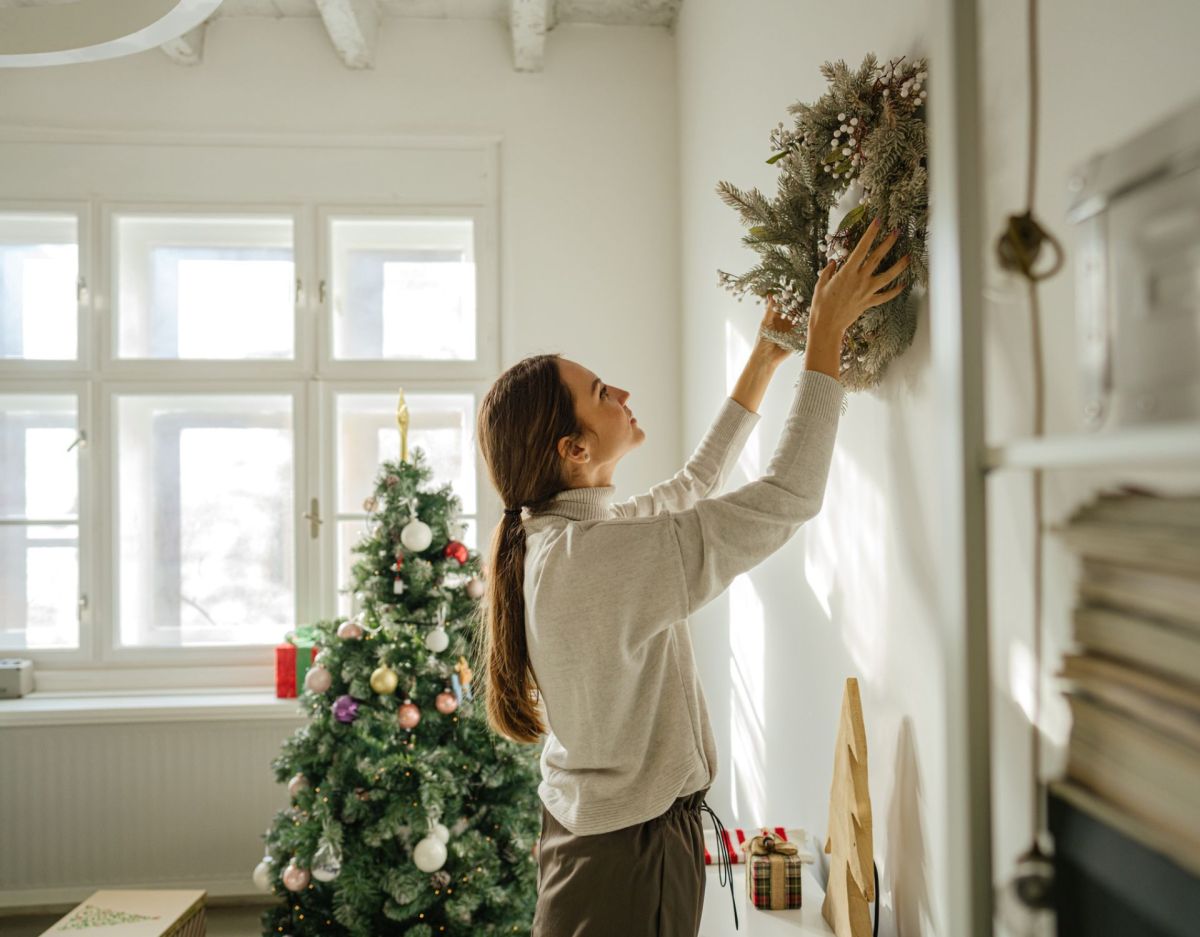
column 773, row 870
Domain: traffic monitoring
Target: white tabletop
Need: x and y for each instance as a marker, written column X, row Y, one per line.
column 717, row 921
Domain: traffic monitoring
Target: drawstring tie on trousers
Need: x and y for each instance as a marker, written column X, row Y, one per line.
column 724, row 863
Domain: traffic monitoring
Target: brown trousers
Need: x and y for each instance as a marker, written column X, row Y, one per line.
column 645, row 880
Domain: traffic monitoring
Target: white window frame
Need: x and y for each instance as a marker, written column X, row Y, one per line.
column 312, row 378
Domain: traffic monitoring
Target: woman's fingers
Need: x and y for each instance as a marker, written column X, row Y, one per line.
column 875, row 256
column 878, row 299
column 863, row 246
column 883, row 279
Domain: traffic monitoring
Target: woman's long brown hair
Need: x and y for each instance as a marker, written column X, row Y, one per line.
column 521, row 419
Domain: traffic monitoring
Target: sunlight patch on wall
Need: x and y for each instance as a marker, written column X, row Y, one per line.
column 845, row 562
column 747, row 710
column 1054, row 723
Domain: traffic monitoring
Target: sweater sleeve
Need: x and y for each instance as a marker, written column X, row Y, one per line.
column 637, row 576
column 704, row 473
column 720, row 538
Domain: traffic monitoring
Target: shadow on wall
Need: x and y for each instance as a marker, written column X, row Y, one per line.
column 907, row 881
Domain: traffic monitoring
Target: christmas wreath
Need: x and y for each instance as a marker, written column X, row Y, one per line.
column 855, row 154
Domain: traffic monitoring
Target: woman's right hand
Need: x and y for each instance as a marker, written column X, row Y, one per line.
column 844, row 293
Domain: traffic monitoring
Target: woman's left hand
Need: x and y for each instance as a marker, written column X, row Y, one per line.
column 773, row 320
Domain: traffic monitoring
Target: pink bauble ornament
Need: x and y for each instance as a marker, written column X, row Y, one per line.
column 446, row 703
column 297, row 785
column 350, row 630
column 408, row 715
column 475, row 588
column 318, row 679
column 295, row 878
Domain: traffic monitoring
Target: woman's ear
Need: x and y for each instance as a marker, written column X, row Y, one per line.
column 572, row 451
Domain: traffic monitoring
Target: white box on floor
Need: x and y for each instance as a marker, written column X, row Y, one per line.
column 153, row 913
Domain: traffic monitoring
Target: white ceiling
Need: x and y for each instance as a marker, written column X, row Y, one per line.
column 353, row 25
column 605, row 12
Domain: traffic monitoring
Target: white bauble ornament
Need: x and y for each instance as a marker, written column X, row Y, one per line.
column 430, row 854
column 297, row 785
column 416, row 536
column 262, row 874
column 440, row 831
column 475, row 588
column 437, row 640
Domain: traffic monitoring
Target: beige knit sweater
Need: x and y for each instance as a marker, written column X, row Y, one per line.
column 608, row 591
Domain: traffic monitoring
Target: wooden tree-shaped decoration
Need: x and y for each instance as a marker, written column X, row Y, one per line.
column 851, row 885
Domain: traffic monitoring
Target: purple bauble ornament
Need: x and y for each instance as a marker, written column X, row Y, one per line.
column 345, row 708
column 446, row 703
column 408, row 715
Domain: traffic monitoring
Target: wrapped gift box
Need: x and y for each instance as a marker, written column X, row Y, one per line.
column 138, row 914
column 292, row 662
column 774, row 868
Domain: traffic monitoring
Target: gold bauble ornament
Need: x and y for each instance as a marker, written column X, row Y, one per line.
column 384, row 680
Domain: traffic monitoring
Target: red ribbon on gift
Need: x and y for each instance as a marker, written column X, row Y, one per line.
column 735, row 851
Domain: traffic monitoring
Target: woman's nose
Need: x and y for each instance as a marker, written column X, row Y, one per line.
column 623, row 395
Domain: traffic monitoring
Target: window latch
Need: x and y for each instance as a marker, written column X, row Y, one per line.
column 80, row 440
column 313, row 516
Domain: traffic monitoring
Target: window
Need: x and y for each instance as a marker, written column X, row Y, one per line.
column 39, row 520
column 193, row 492
column 204, row 287
column 403, row 288
column 39, row 282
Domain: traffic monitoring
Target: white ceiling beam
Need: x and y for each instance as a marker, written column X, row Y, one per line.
column 529, row 20
column 187, row 49
column 353, row 27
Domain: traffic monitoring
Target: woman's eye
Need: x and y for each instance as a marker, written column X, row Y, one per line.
column 603, row 392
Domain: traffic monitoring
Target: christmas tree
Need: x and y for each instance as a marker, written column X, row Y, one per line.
column 397, row 747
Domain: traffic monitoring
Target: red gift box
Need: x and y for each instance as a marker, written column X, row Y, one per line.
column 292, row 662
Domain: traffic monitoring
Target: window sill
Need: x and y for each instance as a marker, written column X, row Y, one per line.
column 110, row 708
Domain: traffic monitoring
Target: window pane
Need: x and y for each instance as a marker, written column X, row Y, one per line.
column 39, row 586
column 206, row 519
column 440, row 424
column 403, row 288
column 205, row 287
column 39, row 274
column 39, row 467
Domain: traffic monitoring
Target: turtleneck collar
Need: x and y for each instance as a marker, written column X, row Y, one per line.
column 579, row 504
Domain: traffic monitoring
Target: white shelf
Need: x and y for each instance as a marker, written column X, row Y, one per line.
column 717, row 921
column 1162, row 444
column 91, row 708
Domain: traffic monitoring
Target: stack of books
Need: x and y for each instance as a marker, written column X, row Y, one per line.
column 1134, row 685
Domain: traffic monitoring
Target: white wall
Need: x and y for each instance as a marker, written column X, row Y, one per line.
column 855, row 593
column 589, row 199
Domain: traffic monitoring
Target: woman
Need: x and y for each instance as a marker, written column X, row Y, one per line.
column 588, row 599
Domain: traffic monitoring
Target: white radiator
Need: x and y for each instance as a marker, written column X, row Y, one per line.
column 135, row 805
